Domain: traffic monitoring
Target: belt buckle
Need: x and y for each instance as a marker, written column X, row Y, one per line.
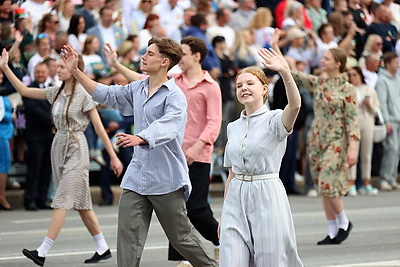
column 246, row 176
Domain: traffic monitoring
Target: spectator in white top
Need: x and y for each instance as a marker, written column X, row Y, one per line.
column 293, row 15
column 145, row 35
column 76, row 33
column 298, row 49
column 171, row 17
column 43, row 51
column 261, row 24
column 36, row 9
column 222, row 28
column 52, row 79
column 106, row 31
column 243, row 15
column 138, row 17
column 372, row 63
column 65, row 11
column 324, row 43
column 94, row 66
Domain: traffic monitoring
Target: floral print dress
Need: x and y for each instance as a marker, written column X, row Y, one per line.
column 335, row 121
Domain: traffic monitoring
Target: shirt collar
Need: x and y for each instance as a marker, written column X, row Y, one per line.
column 206, row 76
column 261, row 110
column 168, row 84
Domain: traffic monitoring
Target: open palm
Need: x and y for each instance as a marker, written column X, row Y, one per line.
column 70, row 57
column 4, row 58
column 111, row 54
column 273, row 60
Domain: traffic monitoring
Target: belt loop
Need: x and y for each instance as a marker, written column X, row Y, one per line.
column 251, row 177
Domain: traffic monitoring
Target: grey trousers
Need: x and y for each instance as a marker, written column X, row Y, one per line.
column 391, row 153
column 134, row 217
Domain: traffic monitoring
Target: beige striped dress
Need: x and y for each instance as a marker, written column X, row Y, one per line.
column 69, row 151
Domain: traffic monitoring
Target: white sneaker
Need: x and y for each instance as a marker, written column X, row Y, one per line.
column 368, row 190
column 312, row 193
column 385, row 186
column 395, row 185
column 352, row 192
column 184, row 264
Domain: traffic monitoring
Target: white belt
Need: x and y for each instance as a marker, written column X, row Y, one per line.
column 250, row 177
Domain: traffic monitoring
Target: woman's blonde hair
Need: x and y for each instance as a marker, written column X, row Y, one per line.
column 259, row 74
column 240, row 45
column 291, row 7
column 261, row 19
column 369, row 43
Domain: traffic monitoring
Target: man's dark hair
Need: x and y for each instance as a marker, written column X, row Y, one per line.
column 198, row 20
column 168, row 48
column 388, row 57
column 196, row 45
column 217, row 39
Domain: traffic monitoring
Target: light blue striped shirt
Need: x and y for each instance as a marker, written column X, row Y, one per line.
column 158, row 167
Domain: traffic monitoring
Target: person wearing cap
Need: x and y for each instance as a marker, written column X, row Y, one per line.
column 127, row 51
column 297, row 48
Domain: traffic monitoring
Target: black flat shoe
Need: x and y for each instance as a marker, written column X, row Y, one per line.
column 44, row 206
column 342, row 234
column 33, row 255
column 31, row 206
column 4, row 208
column 96, row 257
column 328, row 241
column 106, row 202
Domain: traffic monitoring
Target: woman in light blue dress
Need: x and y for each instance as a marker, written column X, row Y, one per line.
column 256, row 224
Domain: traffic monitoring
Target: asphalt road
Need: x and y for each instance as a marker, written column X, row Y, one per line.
column 374, row 241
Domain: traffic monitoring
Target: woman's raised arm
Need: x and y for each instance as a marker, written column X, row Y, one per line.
column 18, row 85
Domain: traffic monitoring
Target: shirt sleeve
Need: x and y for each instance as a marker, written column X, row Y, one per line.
column 50, row 91
column 171, row 125
column 118, row 97
column 88, row 103
column 305, row 80
column 214, row 115
column 382, row 92
column 277, row 126
column 351, row 113
column 227, row 160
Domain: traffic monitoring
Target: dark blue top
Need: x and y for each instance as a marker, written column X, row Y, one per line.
column 211, row 60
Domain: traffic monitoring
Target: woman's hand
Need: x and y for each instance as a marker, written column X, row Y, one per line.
column 116, row 166
column 273, row 60
column 18, row 37
column 275, row 38
column 70, row 57
column 4, row 59
column 351, row 156
column 111, row 54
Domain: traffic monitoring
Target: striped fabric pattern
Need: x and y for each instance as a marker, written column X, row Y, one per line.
column 256, row 222
column 159, row 167
column 70, row 153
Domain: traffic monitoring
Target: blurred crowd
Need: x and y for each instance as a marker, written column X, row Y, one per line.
column 34, row 31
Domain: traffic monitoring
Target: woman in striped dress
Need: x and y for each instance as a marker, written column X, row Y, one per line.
column 256, row 223
column 72, row 108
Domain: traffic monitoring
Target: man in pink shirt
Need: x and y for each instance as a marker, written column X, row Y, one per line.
column 203, row 96
column 204, row 117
